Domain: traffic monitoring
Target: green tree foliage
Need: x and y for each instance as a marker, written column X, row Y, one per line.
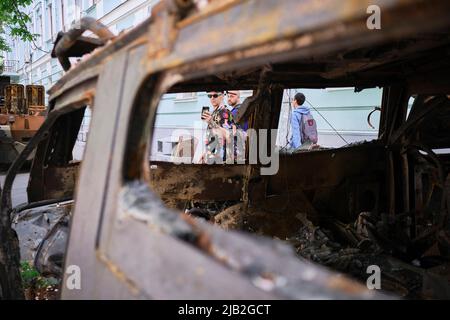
column 13, row 22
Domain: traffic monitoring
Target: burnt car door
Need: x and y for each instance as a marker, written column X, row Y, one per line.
column 124, row 241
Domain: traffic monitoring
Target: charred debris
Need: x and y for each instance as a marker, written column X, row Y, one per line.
column 384, row 203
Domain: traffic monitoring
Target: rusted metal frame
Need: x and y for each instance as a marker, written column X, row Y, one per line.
column 440, row 83
column 132, row 94
column 73, row 83
column 141, row 132
column 100, row 155
column 397, row 131
column 40, row 135
column 140, row 203
column 276, row 102
column 337, row 164
column 138, row 97
column 69, row 39
column 310, row 16
column 405, row 180
column 302, row 80
column 119, row 43
column 180, row 8
column 413, row 68
column 316, row 44
column 264, row 116
column 251, row 107
column 64, row 135
column 390, row 179
column 250, row 104
column 220, row 182
column 10, row 254
column 166, row 246
column 273, row 118
column 214, row 7
column 399, row 137
column 369, row 116
column 447, row 197
column 418, row 195
column 36, row 182
column 80, row 47
column 58, row 182
column 396, row 110
column 144, row 205
column 143, row 98
column 441, row 183
column 97, row 59
column 383, row 129
column 252, row 180
column 434, row 66
column 70, row 100
column 412, row 50
column 394, row 106
column 418, row 113
column 327, row 45
column 10, row 278
column 421, row 197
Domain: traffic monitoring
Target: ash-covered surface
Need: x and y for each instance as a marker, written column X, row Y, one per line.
column 354, row 249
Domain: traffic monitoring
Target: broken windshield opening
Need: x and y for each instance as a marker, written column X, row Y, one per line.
column 305, row 190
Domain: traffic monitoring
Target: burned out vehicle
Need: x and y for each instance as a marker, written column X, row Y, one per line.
column 145, row 229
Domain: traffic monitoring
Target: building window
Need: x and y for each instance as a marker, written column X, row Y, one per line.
column 57, row 15
column 49, row 30
column 186, row 96
column 63, row 12
column 38, row 24
column 110, row 5
column 77, row 10
column 125, row 24
column 88, row 3
column 73, row 11
column 90, row 8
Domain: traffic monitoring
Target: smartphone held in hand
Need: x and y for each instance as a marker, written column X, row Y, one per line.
column 204, row 109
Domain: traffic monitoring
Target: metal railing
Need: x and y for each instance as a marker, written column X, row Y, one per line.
column 10, row 66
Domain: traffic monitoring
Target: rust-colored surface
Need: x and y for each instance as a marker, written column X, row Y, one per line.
column 15, row 98
column 71, row 44
column 224, row 181
column 367, row 195
column 54, row 183
column 24, row 127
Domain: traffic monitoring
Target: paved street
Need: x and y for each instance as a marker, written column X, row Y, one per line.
column 19, row 191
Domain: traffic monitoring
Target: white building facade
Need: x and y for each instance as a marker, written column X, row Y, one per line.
column 341, row 114
column 31, row 63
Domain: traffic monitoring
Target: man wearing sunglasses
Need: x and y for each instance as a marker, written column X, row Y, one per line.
column 220, row 129
column 234, row 101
